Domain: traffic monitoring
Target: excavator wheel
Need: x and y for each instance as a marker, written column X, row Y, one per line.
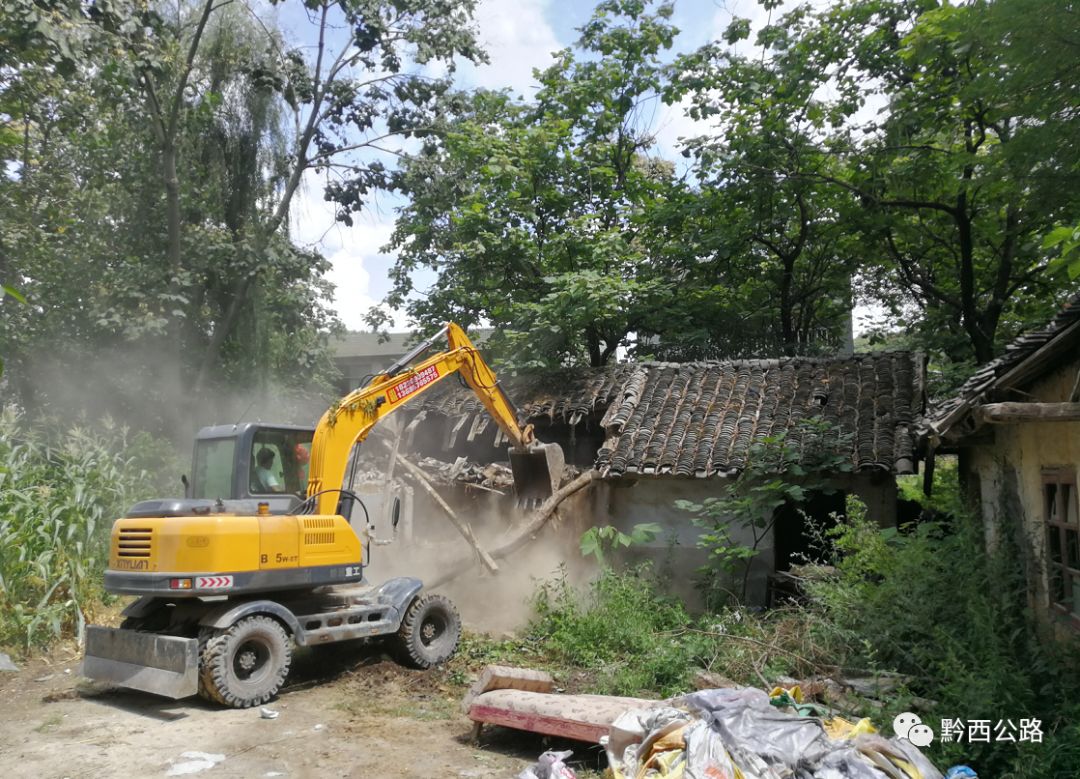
column 245, row 664
column 429, row 633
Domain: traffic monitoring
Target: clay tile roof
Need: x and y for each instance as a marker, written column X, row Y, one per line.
column 562, row 396
column 699, row 419
column 1048, row 342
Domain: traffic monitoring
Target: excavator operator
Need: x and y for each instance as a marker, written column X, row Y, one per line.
column 267, row 480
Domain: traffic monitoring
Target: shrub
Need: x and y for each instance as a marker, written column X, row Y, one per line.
column 780, row 469
column 59, row 494
column 932, row 604
column 622, row 628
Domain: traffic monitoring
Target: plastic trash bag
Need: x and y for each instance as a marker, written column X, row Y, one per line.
column 961, row 772
column 550, row 766
column 633, row 734
column 746, row 718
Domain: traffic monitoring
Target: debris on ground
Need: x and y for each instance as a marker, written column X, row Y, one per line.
column 266, row 713
column 6, row 664
column 722, row 732
column 194, row 763
column 551, row 765
column 733, row 731
column 491, row 476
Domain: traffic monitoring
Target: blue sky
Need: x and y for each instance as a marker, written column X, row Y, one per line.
column 519, row 35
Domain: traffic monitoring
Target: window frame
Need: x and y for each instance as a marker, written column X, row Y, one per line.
column 1060, row 525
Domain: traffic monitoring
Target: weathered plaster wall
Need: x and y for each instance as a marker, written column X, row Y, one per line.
column 426, row 538
column 653, row 500
column 1009, row 477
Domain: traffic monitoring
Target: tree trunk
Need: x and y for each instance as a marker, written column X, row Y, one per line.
column 787, row 315
column 221, row 332
column 593, row 342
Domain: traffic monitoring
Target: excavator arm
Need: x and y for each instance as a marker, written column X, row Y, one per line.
column 536, row 467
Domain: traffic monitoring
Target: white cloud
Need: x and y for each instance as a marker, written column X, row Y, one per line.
column 673, row 124
column 517, row 38
column 354, row 252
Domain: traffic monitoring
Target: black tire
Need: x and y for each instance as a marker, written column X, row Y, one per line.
column 429, row 633
column 245, row 664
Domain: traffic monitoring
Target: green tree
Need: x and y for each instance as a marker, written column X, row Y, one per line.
column 155, row 155
column 767, row 228
column 532, row 213
column 958, row 175
column 346, row 98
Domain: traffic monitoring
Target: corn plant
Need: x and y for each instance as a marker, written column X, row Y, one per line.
column 60, row 489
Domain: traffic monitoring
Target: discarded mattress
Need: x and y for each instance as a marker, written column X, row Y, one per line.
column 525, row 699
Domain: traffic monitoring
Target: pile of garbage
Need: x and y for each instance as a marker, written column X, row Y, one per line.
column 744, row 733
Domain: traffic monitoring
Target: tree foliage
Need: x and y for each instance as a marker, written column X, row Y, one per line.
column 532, row 213
column 936, row 122
column 154, row 153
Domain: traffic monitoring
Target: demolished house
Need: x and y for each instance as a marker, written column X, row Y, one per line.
column 660, row 432
column 1015, row 426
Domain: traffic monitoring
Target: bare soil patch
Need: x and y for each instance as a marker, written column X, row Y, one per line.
column 346, row 711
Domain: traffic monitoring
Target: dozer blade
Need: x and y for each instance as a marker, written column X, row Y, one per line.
column 165, row 665
column 537, row 472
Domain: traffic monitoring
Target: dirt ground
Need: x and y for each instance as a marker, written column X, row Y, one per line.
column 346, row 711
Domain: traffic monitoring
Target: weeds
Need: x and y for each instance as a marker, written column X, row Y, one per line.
column 621, row 629
column 927, row 603
column 933, row 605
column 58, row 498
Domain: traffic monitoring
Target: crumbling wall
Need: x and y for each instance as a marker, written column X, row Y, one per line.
column 1009, row 470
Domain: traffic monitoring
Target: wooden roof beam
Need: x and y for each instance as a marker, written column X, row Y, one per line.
column 1012, row 412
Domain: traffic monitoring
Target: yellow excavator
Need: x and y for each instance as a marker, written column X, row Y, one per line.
column 228, row 585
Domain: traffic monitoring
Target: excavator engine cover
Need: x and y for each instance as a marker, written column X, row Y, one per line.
column 537, row 473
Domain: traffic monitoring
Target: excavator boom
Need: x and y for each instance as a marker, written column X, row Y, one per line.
column 537, row 468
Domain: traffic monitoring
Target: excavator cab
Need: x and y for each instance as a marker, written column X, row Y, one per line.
column 227, row 464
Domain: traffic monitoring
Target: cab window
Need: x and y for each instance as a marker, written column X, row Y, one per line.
column 279, row 462
column 213, row 477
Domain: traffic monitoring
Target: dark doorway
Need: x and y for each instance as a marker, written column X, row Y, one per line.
column 793, row 541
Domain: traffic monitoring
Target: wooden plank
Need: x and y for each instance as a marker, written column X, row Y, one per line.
column 1015, row 411
column 526, row 533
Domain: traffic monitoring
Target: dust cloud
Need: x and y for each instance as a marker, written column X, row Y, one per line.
column 497, row 603
column 140, row 387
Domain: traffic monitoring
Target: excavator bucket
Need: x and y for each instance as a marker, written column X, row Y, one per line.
column 537, row 473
